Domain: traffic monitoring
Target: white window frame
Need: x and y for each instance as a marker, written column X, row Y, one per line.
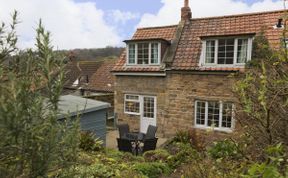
column 149, row 53
column 220, row 128
column 141, row 104
column 132, row 100
column 215, row 64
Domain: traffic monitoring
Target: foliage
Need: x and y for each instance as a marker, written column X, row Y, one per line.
column 192, row 137
column 180, row 153
column 272, row 167
column 33, row 141
column 159, row 155
column 182, row 136
column 152, row 170
column 122, row 156
column 263, row 94
column 89, row 142
column 93, row 54
column 224, row 149
column 205, row 167
column 93, row 170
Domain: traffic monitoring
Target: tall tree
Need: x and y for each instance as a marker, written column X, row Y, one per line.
column 263, row 93
column 33, row 142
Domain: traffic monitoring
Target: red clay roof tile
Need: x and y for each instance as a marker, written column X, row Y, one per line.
column 188, row 50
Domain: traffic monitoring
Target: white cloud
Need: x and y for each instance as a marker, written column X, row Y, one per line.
column 118, row 16
column 72, row 25
column 171, row 10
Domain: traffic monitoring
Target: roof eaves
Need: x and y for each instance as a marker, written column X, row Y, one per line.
column 147, row 39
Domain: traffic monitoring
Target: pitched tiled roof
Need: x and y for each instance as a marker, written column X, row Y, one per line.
column 189, row 48
column 165, row 32
column 98, row 72
column 76, row 69
column 188, row 51
column 102, row 80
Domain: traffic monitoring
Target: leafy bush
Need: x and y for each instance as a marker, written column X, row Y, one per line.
column 224, row 149
column 152, row 169
column 88, row 142
column 33, row 142
column 122, row 156
column 273, row 167
column 156, row 155
column 182, row 136
column 94, row 170
column 194, row 138
column 181, row 153
column 205, row 167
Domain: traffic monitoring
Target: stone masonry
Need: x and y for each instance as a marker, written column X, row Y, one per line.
column 176, row 94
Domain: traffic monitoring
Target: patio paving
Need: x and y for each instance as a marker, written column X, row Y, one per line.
column 111, row 141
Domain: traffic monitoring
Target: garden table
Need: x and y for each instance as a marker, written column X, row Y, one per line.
column 136, row 138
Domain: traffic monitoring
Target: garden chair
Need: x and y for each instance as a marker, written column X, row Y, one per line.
column 151, row 132
column 124, row 145
column 149, row 144
column 123, row 130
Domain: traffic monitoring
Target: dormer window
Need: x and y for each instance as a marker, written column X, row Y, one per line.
column 143, row 53
column 226, row 51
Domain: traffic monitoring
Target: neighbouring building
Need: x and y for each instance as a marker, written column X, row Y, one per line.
column 178, row 77
column 91, row 79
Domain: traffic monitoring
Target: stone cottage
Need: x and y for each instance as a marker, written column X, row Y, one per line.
column 178, row 77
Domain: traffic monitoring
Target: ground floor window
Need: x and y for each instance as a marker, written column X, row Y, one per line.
column 132, row 104
column 137, row 104
column 214, row 114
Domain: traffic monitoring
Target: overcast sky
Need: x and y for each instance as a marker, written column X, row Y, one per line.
column 99, row 23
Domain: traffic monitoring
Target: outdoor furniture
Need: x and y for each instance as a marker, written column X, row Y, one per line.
column 135, row 138
column 123, row 130
column 151, row 132
column 124, row 145
column 149, row 144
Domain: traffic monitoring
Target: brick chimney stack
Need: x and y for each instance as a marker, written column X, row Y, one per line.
column 186, row 13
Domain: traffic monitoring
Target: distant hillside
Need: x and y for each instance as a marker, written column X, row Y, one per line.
column 94, row 54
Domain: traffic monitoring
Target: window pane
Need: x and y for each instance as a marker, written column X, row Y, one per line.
column 225, row 51
column 242, row 50
column 149, row 107
column 132, row 97
column 154, row 53
column 132, row 106
column 210, row 51
column 200, row 113
column 143, row 53
column 227, row 115
column 132, row 50
column 213, row 114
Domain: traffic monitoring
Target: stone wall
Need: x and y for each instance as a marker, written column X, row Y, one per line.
column 152, row 86
column 176, row 95
column 184, row 89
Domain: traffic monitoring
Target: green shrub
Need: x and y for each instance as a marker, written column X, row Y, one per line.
column 123, row 157
column 182, row 136
column 152, row 169
column 224, row 149
column 94, row 170
column 156, row 155
column 273, row 167
column 88, row 142
column 182, row 153
column 194, row 138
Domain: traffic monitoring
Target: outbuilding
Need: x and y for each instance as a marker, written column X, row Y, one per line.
column 93, row 114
